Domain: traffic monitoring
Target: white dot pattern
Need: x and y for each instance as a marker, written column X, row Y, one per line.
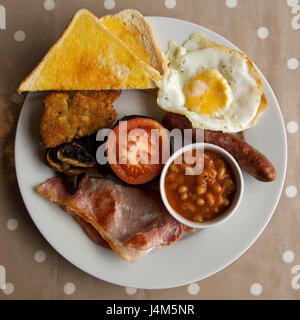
column 12, row 224
column 193, row 288
column 109, row 4
column 9, row 288
column 170, row 4
column 292, row 127
column 256, row 289
column 49, row 5
column 263, row 32
column 69, row 288
column 291, row 191
column 288, row 256
column 40, row 256
column 231, row 3
column 19, row 35
column 130, row 291
column 293, row 63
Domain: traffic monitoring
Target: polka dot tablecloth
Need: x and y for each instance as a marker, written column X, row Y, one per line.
column 269, row 33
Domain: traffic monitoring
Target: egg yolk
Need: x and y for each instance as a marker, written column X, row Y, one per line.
column 207, row 93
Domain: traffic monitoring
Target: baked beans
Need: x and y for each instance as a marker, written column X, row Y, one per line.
column 201, row 197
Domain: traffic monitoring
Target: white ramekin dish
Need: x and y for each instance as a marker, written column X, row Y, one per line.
column 236, row 200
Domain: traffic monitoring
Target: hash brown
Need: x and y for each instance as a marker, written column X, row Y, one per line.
column 74, row 114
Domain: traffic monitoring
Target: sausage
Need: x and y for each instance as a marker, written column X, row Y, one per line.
column 249, row 159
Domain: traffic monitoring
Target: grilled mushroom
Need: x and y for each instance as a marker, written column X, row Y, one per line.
column 74, row 171
column 71, row 159
column 75, row 155
column 89, row 143
column 74, row 183
column 51, row 157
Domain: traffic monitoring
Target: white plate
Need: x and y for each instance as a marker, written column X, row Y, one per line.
column 197, row 255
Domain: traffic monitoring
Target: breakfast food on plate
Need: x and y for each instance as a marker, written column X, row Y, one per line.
column 131, row 220
column 249, row 159
column 88, row 56
column 89, row 229
column 70, row 158
column 68, row 115
column 132, row 28
column 74, row 161
column 134, row 150
column 81, row 69
column 203, row 196
column 215, row 87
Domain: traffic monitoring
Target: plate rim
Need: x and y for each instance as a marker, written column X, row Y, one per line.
column 246, row 247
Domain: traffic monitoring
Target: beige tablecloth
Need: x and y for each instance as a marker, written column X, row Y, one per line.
column 269, row 33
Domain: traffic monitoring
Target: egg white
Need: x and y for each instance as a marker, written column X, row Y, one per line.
column 197, row 55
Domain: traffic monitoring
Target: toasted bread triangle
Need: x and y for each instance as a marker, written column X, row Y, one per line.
column 132, row 28
column 89, row 57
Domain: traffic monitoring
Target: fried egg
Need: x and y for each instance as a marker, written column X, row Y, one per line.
column 215, row 87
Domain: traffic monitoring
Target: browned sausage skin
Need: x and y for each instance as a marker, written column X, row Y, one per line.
column 249, row 159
